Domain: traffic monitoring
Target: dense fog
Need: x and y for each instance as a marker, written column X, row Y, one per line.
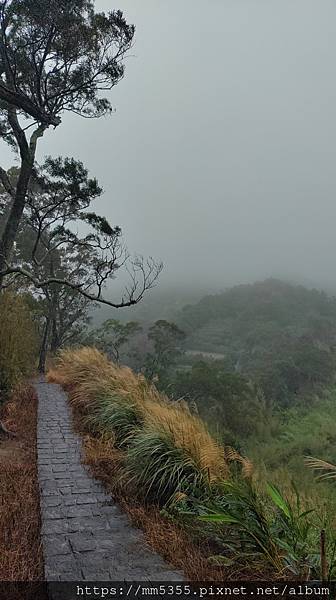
column 219, row 159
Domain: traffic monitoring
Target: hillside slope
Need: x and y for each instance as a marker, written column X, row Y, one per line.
column 282, row 336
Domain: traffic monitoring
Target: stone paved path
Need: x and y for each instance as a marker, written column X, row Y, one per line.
column 85, row 536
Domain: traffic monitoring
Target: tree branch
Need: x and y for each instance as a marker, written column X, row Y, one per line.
column 148, row 282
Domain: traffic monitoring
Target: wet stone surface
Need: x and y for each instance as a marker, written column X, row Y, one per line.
column 85, row 535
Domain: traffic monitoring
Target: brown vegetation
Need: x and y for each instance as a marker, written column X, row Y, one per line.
column 20, row 545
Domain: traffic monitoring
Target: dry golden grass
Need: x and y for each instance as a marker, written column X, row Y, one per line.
column 190, row 434
column 20, row 545
column 88, row 375
column 247, row 467
column 326, row 469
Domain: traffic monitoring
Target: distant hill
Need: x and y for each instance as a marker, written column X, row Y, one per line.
column 158, row 303
column 281, row 335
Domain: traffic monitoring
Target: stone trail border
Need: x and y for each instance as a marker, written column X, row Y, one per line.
column 85, row 535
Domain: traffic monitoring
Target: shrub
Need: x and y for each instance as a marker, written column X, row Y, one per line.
column 18, row 341
column 248, row 531
column 268, row 530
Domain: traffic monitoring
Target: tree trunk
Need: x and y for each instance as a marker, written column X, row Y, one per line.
column 54, row 344
column 27, row 154
column 14, row 217
column 44, row 347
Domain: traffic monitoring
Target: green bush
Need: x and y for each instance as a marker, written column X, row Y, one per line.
column 228, row 402
column 266, row 530
column 301, row 432
column 18, row 342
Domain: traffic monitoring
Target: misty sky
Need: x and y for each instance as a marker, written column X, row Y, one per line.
column 220, row 159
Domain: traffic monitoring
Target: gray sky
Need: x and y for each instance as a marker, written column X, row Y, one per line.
column 220, row 159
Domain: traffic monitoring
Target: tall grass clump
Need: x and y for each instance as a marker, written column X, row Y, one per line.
column 116, row 418
column 89, row 376
column 167, row 449
column 155, row 465
column 173, row 452
column 18, row 342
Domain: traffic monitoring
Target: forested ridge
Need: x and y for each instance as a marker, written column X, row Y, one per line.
column 281, row 335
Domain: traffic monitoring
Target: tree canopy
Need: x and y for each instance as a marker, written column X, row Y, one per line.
column 56, row 56
column 59, row 55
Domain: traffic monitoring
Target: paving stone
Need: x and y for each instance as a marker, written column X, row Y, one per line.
column 83, row 544
column 64, row 564
column 52, row 501
column 86, row 499
column 52, row 574
column 54, row 526
column 63, row 478
column 52, row 513
column 91, row 574
column 115, row 511
column 77, row 511
column 80, row 491
column 117, row 521
column 84, row 533
column 69, row 500
column 50, row 484
column 108, row 544
column 65, row 491
column 63, row 468
column 46, row 492
column 56, row 545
